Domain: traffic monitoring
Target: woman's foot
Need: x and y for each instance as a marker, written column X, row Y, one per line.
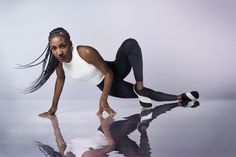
column 191, row 96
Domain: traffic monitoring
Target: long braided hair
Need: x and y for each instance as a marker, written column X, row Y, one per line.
column 49, row 62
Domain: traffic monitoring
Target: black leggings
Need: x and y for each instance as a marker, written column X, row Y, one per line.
column 128, row 56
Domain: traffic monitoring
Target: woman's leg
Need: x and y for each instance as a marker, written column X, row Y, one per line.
column 128, row 56
column 120, row 88
column 131, row 49
column 124, row 89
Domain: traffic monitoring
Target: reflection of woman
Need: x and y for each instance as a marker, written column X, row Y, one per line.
column 86, row 64
column 97, row 145
column 115, row 134
column 121, row 129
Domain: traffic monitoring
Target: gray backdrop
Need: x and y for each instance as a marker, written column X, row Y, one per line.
column 186, row 44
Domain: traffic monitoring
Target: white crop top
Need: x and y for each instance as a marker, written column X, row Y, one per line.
column 80, row 70
column 78, row 146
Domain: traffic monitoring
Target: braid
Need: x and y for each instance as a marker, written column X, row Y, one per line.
column 59, row 31
column 47, row 150
column 49, row 62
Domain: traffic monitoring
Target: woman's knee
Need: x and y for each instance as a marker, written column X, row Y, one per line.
column 131, row 41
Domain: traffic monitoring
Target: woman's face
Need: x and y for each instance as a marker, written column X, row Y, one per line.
column 61, row 48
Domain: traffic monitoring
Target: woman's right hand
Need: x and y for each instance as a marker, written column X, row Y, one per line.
column 45, row 114
column 51, row 111
column 57, row 91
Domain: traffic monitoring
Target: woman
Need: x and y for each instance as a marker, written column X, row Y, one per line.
column 85, row 63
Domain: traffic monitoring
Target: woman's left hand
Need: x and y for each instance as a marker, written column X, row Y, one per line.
column 104, row 106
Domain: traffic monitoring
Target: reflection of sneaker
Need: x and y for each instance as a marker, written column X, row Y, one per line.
column 142, row 94
column 145, row 119
column 192, row 104
column 142, row 127
column 190, row 96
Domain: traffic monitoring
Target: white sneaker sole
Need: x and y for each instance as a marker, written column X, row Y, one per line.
column 143, row 99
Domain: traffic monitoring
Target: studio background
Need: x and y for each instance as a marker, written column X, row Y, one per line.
column 186, row 44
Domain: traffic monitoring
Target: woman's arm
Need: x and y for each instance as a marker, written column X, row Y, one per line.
column 104, row 150
column 57, row 91
column 91, row 56
column 105, row 125
column 61, row 144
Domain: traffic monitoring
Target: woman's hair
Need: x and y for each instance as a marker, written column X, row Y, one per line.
column 47, row 150
column 49, row 62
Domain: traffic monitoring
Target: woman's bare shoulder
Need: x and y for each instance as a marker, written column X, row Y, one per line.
column 86, row 51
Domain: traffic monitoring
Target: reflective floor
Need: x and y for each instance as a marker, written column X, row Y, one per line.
column 165, row 130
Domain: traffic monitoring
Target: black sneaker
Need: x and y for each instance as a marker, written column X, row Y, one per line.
column 144, row 100
column 191, row 96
